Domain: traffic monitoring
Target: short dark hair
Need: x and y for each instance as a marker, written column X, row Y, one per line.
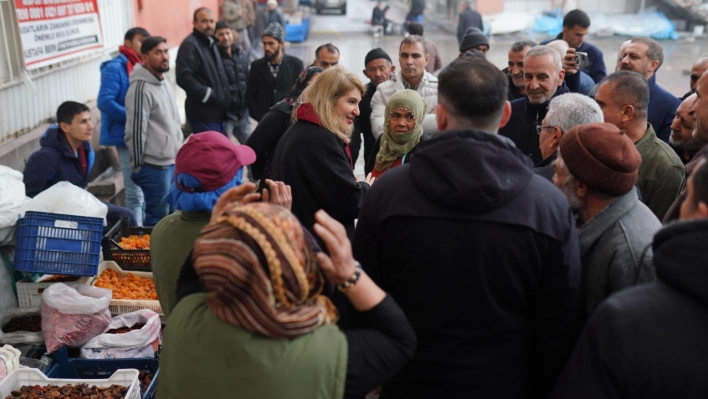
column 150, row 43
column 68, row 110
column 700, row 182
column 413, row 39
column 200, row 9
column 331, row 48
column 654, row 50
column 130, row 34
column 576, row 17
column 631, row 88
column 474, row 90
column 414, row 28
column 522, row 44
column 222, row 25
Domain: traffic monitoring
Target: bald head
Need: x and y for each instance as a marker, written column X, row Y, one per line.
column 699, row 68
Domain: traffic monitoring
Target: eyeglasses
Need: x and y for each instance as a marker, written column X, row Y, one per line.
column 539, row 128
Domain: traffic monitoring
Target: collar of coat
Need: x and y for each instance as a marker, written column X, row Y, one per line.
column 596, row 227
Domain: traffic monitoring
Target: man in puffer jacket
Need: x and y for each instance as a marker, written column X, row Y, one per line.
column 111, row 102
column 235, row 60
column 413, row 57
column 153, row 132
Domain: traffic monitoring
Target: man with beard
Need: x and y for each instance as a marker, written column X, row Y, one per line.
column 236, row 66
column 153, row 131
column 544, row 80
column 378, row 69
column 624, row 100
column 272, row 76
column 682, row 131
column 699, row 67
column 515, row 70
column 596, row 169
column 201, row 74
column 645, row 56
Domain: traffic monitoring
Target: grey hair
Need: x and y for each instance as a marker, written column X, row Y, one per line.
column 521, row 45
column 570, row 110
column 412, row 39
column 540, row 51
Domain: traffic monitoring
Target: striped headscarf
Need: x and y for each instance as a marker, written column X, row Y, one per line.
column 260, row 273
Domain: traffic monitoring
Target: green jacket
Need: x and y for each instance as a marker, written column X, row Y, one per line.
column 171, row 241
column 660, row 173
column 204, row 357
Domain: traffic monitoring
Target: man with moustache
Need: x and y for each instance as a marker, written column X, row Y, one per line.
column 201, row 74
column 272, row 76
column 515, row 70
column 699, row 67
column 379, row 68
column 682, row 131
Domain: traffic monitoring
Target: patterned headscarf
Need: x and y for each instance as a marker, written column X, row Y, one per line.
column 261, row 274
column 394, row 146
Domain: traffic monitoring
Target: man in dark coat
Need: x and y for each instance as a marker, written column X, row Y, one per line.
column 236, row 67
column 272, row 76
column 515, row 68
column 544, row 78
column 649, row 341
column 469, row 18
column 201, row 74
column 498, row 313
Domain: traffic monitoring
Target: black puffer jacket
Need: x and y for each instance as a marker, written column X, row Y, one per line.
column 201, row 74
column 236, row 68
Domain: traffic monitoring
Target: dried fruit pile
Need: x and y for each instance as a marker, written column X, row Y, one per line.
column 27, row 323
column 78, row 391
column 124, row 330
column 129, row 286
column 136, row 242
column 145, row 380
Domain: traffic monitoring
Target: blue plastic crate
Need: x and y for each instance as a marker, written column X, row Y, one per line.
column 51, row 243
column 93, row 369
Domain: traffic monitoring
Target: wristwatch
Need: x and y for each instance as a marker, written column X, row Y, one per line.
column 352, row 280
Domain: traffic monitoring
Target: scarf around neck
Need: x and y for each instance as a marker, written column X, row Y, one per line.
column 131, row 56
column 306, row 112
column 394, row 146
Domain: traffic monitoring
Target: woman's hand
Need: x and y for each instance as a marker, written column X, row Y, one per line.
column 370, row 179
column 340, row 265
column 279, row 194
column 239, row 195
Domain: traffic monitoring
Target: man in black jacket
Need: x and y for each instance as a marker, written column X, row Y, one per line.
column 486, row 269
column 235, row 62
column 201, row 74
column 272, row 76
column 544, row 78
column 649, row 341
column 469, row 18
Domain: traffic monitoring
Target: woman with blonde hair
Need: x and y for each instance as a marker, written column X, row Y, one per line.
column 313, row 157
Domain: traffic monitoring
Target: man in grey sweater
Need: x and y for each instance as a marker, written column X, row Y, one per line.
column 596, row 169
column 153, row 133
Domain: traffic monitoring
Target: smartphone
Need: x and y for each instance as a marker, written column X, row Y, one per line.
column 582, row 59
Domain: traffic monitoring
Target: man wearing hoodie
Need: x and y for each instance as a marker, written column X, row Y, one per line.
column 649, row 341
column 493, row 289
column 111, row 102
column 66, row 155
column 153, row 132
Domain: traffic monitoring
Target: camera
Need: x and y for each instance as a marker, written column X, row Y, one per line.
column 582, row 59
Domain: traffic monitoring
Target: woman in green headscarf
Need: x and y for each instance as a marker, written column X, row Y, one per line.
column 403, row 130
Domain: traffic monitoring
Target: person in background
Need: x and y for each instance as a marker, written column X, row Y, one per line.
column 469, row 18
column 474, row 39
column 201, row 74
column 564, row 113
column 236, row 15
column 403, row 131
column 649, row 341
column 378, row 17
column 274, row 15
column 515, row 68
column 275, row 123
column 544, row 77
column 584, row 81
column 111, row 102
column 153, row 132
column 498, row 314
column 326, row 56
column 645, row 56
column 596, row 169
column 378, row 69
column 416, row 13
column 624, row 99
column 66, row 155
column 682, row 131
column 272, row 76
column 235, row 60
column 434, row 62
column 699, row 67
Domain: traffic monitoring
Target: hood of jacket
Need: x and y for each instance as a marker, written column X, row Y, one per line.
column 121, row 59
column 53, row 137
column 142, row 73
column 473, row 171
column 679, row 258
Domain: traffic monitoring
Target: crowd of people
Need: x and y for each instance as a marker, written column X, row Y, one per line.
column 514, row 237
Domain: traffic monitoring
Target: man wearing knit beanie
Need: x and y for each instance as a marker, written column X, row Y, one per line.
column 596, row 169
column 474, row 39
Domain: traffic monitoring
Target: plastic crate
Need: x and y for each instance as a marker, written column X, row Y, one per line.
column 29, row 294
column 67, row 367
column 20, row 377
column 51, row 243
column 127, row 259
column 123, row 306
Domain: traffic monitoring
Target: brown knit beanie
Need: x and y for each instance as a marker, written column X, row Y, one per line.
column 601, row 156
